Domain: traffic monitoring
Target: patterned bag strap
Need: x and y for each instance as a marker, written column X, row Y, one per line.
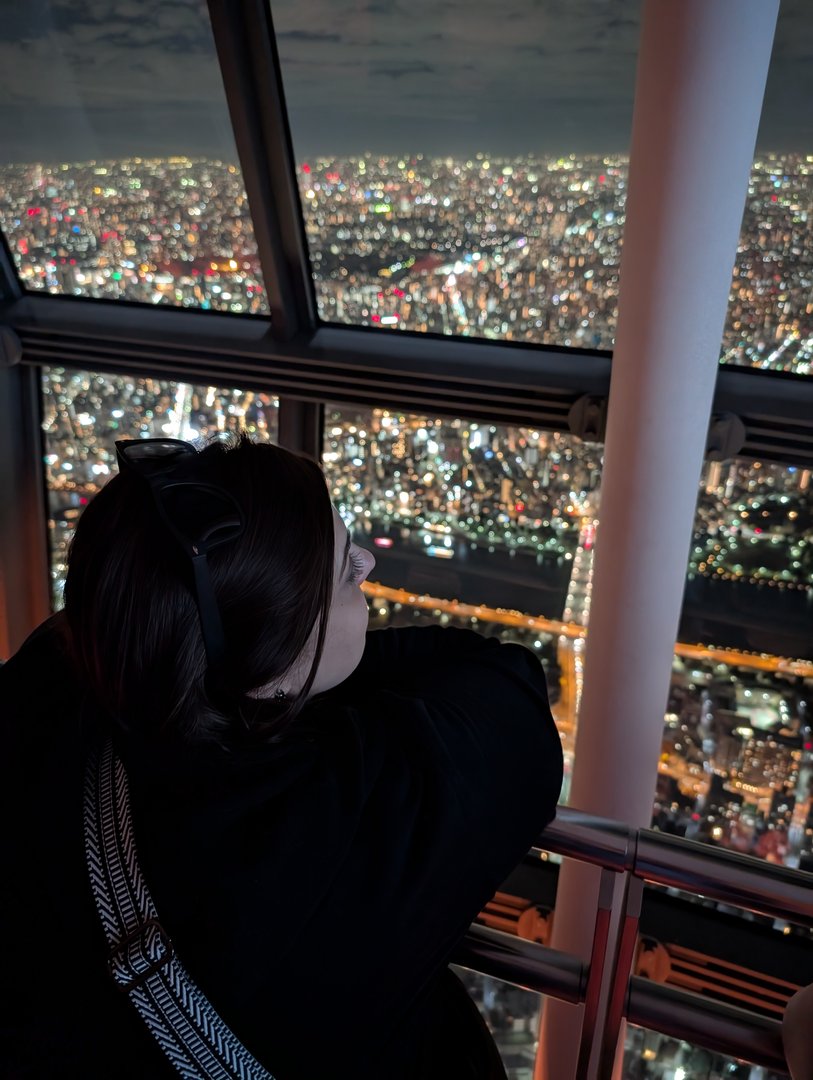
column 141, row 958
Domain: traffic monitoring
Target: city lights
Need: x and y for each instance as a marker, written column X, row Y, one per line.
column 526, row 250
column 521, row 249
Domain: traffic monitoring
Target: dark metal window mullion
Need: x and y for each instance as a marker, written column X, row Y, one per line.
column 301, row 426
column 249, row 66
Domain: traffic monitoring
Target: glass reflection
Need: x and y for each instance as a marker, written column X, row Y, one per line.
column 651, row 1056
column 512, row 1015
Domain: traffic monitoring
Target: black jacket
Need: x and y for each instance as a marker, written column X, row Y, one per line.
column 313, row 888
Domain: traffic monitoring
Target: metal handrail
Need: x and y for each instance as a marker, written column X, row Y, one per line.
column 723, row 1028
column 645, row 855
column 662, row 859
column 523, row 963
column 741, row 880
column 681, row 1014
column 590, row 839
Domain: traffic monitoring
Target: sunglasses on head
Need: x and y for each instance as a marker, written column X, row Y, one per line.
column 199, row 515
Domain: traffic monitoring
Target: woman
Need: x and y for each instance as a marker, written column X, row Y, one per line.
column 319, row 811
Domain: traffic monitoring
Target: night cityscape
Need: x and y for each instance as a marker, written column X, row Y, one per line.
column 123, row 185
column 494, row 528
column 169, row 231
column 432, row 497
column 474, row 524
column 523, row 249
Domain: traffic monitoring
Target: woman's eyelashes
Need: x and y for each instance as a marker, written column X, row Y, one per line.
column 357, row 567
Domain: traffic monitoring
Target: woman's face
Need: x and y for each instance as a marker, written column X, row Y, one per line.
column 347, row 623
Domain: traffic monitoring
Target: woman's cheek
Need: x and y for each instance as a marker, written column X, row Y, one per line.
column 364, row 611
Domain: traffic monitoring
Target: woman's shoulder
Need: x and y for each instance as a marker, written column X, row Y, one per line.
column 39, row 668
column 443, row 679
column 465, row 717
column 434, row 662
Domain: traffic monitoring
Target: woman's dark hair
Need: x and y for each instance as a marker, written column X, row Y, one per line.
column 134, row 632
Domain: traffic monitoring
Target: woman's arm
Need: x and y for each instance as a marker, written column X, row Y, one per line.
column 454, row 779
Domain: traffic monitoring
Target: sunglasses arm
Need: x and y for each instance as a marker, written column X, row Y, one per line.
column 210, row 621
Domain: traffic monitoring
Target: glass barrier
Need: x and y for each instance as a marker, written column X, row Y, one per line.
column 512, row 1015
column 469, row 176
column 119, row 177
column 736, row 767
column 769, row 314
column 648, row 1055
column 463, row 175
column 476, row 525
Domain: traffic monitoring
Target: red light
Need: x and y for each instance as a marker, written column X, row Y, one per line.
column 306, row 168
column 34, row 210
column 774, row 198
column 695, row 817
column 757, row 530
column 382, row 541
column 520, row 507
column 376, row 318
column 809, row 746
column 602, row 178
column 82, row 500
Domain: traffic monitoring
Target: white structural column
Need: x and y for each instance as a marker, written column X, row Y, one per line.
column 701, row 77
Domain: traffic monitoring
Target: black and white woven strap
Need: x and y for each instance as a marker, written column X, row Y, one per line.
column 141, row 959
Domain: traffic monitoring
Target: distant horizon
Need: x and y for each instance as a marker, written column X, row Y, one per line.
column 99, row 81
column 323, row 155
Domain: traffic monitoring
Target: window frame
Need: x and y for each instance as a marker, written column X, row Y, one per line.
column 295, row 355
column 306, row 361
